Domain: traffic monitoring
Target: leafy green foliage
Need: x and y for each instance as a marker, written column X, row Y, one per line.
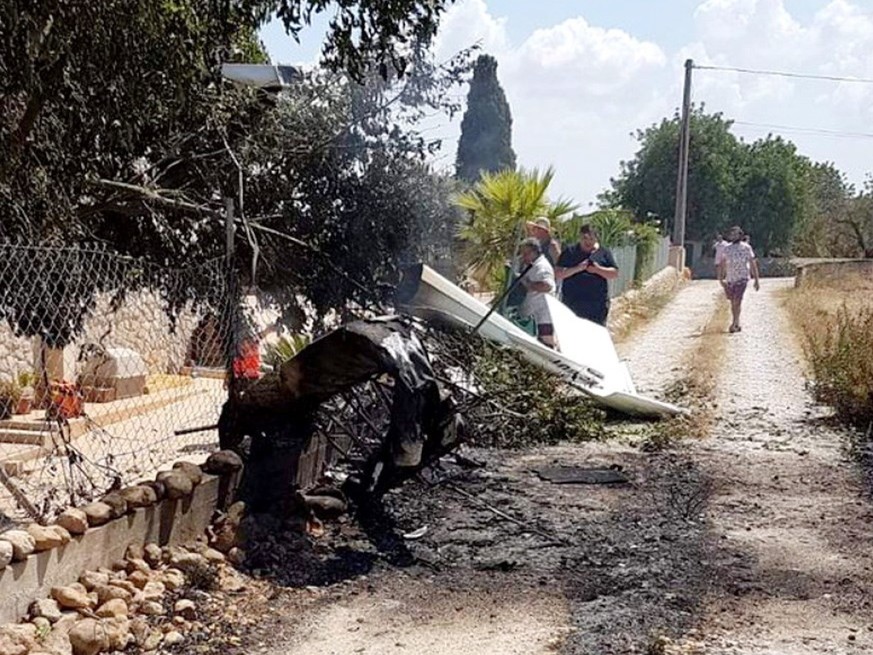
column 361, row 32
column 498, row 206
column 647, row 183
column 120, row 130
column 774, row 197
column 614, row 227
column 285, row 348
column 486, row 130
column 766, row 186
column 522, row 404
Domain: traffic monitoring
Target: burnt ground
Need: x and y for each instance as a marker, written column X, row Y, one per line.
column 755, row 539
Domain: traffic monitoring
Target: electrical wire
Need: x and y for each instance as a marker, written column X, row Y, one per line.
column 815, row 131
column 808, row 76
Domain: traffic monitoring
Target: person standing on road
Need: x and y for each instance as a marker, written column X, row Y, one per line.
column 735, row 265
column 584, row 269
column 539, row 282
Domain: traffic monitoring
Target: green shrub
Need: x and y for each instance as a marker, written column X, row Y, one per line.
column 841, row 358
column 285, row 348
column 10, row 394
column 647, row 238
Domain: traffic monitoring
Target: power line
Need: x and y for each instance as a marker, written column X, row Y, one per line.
column 808, row 76
column 807, row 130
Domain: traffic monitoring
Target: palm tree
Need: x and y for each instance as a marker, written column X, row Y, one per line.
column 499, row 205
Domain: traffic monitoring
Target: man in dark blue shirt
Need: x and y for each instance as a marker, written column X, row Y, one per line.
column 585, row 268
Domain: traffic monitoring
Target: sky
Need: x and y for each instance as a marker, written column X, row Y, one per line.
column 581, row 76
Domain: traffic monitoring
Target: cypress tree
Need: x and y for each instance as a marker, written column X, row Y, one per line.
column 486, row 131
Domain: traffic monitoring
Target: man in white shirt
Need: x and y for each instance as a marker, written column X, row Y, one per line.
column 539, row 281
column 736, row 262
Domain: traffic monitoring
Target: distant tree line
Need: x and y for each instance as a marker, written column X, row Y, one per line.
column 788, row 203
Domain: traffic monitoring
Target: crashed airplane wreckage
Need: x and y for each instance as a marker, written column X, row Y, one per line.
column 366, row 400
column 364, row 395
column 587, row 359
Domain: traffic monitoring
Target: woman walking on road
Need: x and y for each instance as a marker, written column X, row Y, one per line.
column 736, row 261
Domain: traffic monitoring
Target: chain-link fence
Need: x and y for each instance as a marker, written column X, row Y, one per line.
column 109, row 368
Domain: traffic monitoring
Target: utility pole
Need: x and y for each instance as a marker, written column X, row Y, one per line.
column 682, row 176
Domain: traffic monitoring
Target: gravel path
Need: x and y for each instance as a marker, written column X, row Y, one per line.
column 790, row 511
column 654, row 355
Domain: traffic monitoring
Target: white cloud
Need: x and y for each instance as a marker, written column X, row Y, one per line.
column 469, row 23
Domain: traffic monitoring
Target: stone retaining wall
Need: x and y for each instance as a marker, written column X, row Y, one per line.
column 829, row 272
column 140, row 324
column 169, row 521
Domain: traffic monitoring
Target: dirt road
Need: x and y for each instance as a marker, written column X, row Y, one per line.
column 754, row 540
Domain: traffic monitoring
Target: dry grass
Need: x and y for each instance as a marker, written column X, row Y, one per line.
column 696, row 389
column 834, row 324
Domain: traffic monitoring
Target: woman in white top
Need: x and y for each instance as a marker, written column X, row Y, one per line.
column 539, row 281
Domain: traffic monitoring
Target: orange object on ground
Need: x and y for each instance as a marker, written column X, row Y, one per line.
column 67, row 400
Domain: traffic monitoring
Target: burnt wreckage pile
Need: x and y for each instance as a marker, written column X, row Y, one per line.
column 369, row 399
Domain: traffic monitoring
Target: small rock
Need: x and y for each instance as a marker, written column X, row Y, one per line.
column 151, row 608
column 71, row 598
column 178, row 485
column 113, row 608
column 106, row 593
column 89, row 637
column 134, row 551
column 98, row 513
column 138, row 579
column 223, row 462
column 93, row 579
column 139, row 496
column 194, row 472
column 173, row 637
column 22, row 544
column 152, row 641
column 45, row 608
column 173, row 579
column 117, row 632
column 117, row 502
column 231, row 582
column 75, row 521
column 154, row 591
column 152, row 554
column 325, row 507
column 17, row 639
column 188, row 561
column 236, row 512
column 186, row 609
column 47, row 537
column 159, row 488
column 236, row 556
column 127, row 585
column 213, row 555
column 6, row 553
column 138, row 565
column 78, row 586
